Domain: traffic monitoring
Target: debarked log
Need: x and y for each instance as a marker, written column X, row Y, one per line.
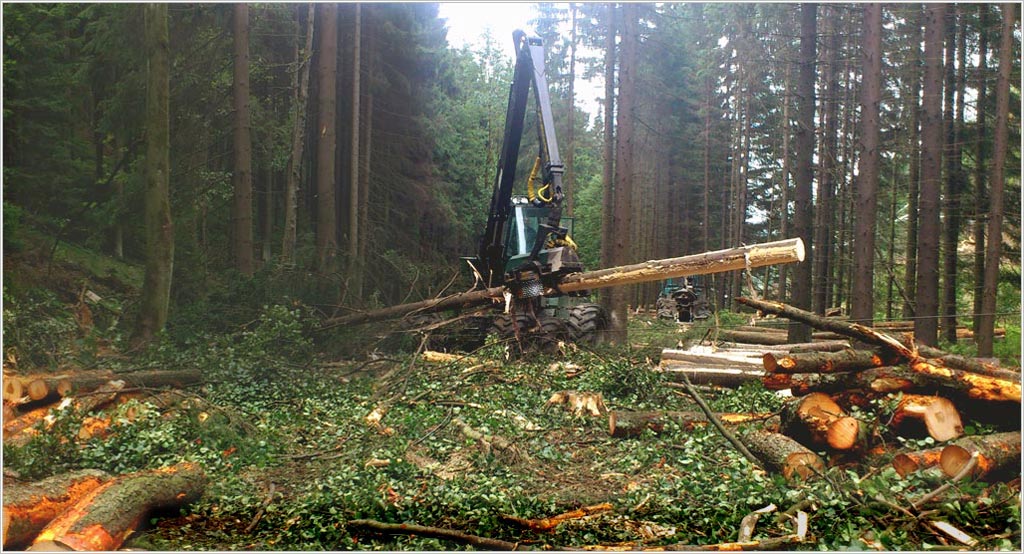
column 726, row 358
column 103, row 518
column 623, row 424
column 29, row 507
column 768, row 339
column 721, row 376
column 758, row 255
column 784, row 455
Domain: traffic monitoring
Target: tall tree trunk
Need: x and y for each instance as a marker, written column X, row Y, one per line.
column 242, row 235
column 327, row 69
column 625, row 167
column 980, row 157
column 914, row 178
column 570, row 153
column 784, row 216
column 927, row 300
column 156, row 286
column 268, row 215
column 890, row 251
column 862, row 306
column 824, row 210
column 951, row 206
column 804, row 214
column 995, row 221
column 300, row 84
column 608, row 153
column 355, row 265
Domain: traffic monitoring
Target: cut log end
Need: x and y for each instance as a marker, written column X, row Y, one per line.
column 13, row 389
column 844, row 433
column 938, row 415
column 803, row 465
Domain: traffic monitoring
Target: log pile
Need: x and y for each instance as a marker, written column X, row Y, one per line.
column 927, row 392
column 89, row 510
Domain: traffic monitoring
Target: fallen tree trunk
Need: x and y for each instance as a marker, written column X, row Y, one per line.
column 820, row 346
column 825, row 362
column 941, row 357
column 632, row 424
column 88, row 381
column 719, row 376
column 999, row 455
column 932, row 415
column 546, row 524
column 28, row 508
column 784, row 455
column 973, row 385
column 483, row 543
column 104, row 517
column 853, row 330
column 874, row 382
column 758, row 255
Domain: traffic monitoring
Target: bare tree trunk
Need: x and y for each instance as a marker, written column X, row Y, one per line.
column 784, row 223
column 364, row 186
column 804, row 214
column 156, row 286
column 355, row 284
column 914, row 179
column 242, row 237
column 995, row 221
column 862, row 306
column 327, row 68
column 927, row 300
column 624, row 167
column 980, row 158
column 608, row 152
column 570, row 154
column 301, row 86
column 824, row 210
column 951, row 206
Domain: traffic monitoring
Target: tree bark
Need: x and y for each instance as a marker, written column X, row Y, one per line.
column 914, row 177
column 862, row 307
column 355, row 278
column 608, row 153
column 300, row 83
column 825, row 362
column 784, row 455
column 999, row 455
column 816, row 420
column 28, row 508
column 927, row 299
column 993, row 247
column 625, row 169
column 156, row 286
column 980, row 159
column 242, row 236
column 570, row 153
column 326, row 214
column 939, row 357
column 784, row 216
column 103, row 518
column 906, row 463
column 804, row 175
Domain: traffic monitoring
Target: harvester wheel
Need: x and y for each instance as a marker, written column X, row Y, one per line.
column 586, row 323
column 552, row 331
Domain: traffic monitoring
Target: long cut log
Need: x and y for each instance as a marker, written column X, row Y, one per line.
column 784, row 455
column 941, row 357
column 103, row 518
column 825, row 362
column 28, row 508
column 724, row 359
column 758, row 255
column 999, row 455
column 769, row 339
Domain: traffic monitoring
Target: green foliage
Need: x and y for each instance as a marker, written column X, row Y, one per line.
column 38, row 326
column 12, row 226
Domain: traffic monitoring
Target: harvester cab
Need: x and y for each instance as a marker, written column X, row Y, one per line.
column 683, row 300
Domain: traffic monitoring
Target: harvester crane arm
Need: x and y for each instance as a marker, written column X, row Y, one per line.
column 529, row 70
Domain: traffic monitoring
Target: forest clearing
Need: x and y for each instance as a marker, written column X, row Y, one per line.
column 314, row 277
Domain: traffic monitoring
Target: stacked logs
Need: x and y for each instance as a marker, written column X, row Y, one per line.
column 88, row 510
column 930, row 393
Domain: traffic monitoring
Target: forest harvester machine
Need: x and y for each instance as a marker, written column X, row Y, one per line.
column 527, row 245
column 529, row 282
